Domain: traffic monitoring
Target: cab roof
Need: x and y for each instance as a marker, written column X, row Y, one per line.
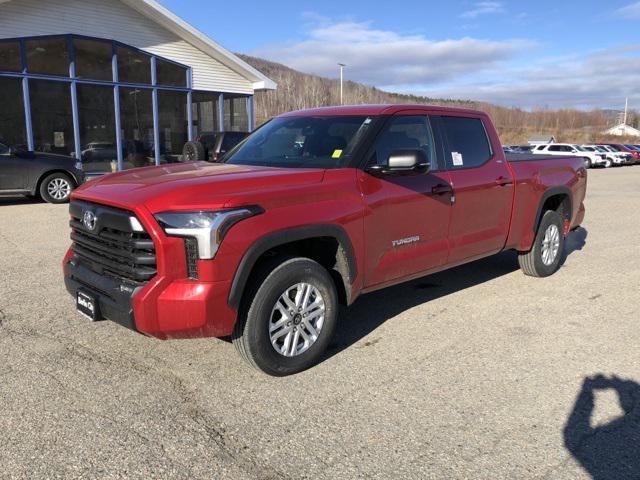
column 378, row 110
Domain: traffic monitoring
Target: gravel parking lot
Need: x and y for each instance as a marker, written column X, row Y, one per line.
column 478, row 372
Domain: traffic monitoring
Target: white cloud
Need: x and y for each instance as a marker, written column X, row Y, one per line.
column 382, row 57
column 631, row 11
column 503, row 72
column 599, row 79
column 483, row 8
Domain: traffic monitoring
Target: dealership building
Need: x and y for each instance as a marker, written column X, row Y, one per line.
column 117, row 84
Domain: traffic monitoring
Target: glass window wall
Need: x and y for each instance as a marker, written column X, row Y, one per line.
column 97, row 129
column 236, row 116
column 136, row 119
column 10, row 60
column 204, row 109
column 12, row 125
column 93, row 59
column 133, row 66
column 172, row 122
column 170, row 74
column 48, row 56
column 51, row 112
column 51, row 116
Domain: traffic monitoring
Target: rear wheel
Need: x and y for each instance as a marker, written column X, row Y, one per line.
column 56, row 188
column 587, row 163
column 544, row 257
column 289, row 317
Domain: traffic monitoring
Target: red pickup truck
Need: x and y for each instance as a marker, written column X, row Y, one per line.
column 310, row 211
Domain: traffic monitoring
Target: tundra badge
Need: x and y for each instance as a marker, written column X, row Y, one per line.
column 405, row 241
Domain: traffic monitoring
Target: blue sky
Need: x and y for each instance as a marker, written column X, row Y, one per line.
column 518, row 53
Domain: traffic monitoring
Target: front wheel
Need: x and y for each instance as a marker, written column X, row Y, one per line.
column 587, row 163
column 544, row 258
column 607, row 163
column 56, row 188
column 289, row 317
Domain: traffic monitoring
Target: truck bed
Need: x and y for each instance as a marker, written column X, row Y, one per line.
column 552, row 174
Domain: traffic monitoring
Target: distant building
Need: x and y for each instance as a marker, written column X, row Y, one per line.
column 542, row 140
column 622, row 130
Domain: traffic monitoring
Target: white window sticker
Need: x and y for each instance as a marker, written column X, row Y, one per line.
column 457, row 159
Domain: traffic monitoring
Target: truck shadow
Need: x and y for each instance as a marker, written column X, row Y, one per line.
column 372, row 310
column 610, row 451
column 575, row 241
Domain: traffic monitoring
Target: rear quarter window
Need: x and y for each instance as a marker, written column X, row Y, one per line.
column 468, row 142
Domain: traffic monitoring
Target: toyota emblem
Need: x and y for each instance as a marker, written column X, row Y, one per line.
column 89, row 220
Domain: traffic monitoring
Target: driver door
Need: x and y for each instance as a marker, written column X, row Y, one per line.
column 407, row 217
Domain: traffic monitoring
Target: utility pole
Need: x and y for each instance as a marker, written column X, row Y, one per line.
column 342, row 65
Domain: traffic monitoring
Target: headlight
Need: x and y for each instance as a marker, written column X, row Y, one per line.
column 208, row 228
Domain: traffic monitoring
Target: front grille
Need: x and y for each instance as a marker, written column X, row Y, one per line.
column 113, row 247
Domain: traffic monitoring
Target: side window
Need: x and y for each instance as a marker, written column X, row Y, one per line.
column 468, row 142
column 556, row 148
column 405, row 133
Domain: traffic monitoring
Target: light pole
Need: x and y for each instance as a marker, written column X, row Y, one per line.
column 342, row 65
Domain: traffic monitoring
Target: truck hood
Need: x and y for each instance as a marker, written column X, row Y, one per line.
column 196, row 185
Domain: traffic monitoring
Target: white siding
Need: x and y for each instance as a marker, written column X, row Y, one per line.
column 114, row 20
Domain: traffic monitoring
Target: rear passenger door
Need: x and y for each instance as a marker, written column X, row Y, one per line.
column 482, row 186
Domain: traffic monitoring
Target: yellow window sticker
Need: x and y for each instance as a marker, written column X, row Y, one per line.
column 336, row 154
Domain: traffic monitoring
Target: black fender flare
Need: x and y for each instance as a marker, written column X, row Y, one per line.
column 282, row 237
column 552, row 192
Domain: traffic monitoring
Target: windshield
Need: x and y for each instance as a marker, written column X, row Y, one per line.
column 579, row 148
column 302, row 142
column 587, row 149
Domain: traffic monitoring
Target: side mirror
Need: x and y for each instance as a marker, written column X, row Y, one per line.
column 403, row 162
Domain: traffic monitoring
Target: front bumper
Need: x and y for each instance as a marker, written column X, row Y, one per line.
column 164, row 308
column 114, row 300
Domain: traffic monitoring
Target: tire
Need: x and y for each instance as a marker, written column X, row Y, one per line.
column 193, row 152
column 56, row 188
column 262, row 322
column 535, row 263
column 587, row 162
column 608, row 163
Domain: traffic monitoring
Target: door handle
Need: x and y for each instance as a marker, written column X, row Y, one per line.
column 502, row 181
column 441, row 189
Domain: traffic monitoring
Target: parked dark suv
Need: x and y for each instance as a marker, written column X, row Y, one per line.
column 212, row 146
column 51, row 176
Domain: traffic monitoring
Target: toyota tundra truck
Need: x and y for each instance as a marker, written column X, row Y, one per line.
column 312, row 210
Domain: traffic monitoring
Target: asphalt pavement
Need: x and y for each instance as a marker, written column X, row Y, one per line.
column 475, row 373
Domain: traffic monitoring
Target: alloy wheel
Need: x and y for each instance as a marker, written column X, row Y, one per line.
column 59, row 188
column 550, row 245
column 296, row 320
